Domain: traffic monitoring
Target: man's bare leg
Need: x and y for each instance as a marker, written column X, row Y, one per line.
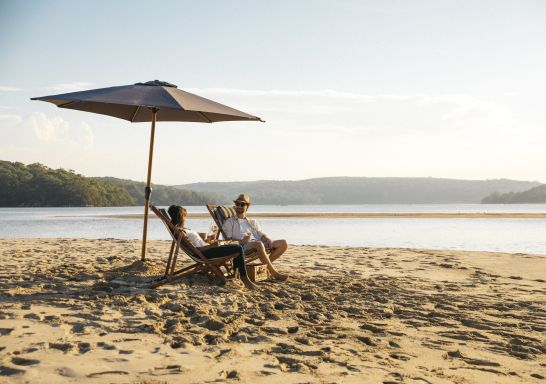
column 278, row 247
column 259, row 247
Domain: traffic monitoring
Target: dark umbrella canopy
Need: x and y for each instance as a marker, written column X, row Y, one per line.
column 148, row 102
column 136, row 102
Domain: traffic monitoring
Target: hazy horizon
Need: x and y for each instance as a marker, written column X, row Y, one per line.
column 442, row 89
column 143, row 180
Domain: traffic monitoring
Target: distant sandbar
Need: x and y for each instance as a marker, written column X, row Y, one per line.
column 480, row 215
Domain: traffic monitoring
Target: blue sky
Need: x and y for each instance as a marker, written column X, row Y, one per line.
column 348, row 88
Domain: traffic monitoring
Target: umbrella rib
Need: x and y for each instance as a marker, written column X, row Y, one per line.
column 134, row 114
column 68, row 103
column 205, row 117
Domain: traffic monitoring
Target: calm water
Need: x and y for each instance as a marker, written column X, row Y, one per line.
column 504, row 235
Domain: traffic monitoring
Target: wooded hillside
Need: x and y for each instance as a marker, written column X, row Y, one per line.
column 536, row 195
column 36, row 185
column 364, row 190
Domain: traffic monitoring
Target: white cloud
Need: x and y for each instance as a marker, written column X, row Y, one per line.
column 50, row 140
column 461, row 111
column 57, row 131
column 344, row 114
column 88, row 139
column 380, row 114
column 5, row 88
column 326, row 93
column 72, row 87
column 46, row 129
column 10, row 118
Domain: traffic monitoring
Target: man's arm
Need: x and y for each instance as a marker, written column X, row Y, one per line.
column 263, row 237
column 268, row 243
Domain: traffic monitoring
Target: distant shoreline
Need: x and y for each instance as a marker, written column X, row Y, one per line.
column 362, row 216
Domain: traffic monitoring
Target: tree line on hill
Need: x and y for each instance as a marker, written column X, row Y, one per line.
column 536, row 195
column 36, row 185
column 365, row 190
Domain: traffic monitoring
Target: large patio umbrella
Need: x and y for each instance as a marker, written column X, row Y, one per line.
column 143, row 102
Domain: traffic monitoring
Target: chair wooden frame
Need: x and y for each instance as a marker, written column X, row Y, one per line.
column 200, row 263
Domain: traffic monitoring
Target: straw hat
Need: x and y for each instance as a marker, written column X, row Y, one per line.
column 244, row 198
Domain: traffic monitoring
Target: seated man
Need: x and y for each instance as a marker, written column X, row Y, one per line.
column 249, row 234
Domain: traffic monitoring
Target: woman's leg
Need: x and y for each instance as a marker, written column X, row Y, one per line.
column 225, row 250
column 238, row 261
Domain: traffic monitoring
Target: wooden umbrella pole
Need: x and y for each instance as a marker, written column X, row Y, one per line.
column 148, row 190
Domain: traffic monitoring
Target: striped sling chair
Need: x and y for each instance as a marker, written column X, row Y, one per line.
column 200, row 264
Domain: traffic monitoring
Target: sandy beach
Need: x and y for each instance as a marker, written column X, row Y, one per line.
column 77, row 310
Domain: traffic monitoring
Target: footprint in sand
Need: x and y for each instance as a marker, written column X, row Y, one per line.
column 24, row 362
column 212, row 339
column 95, row 374
column 290, row 364
column 232, row 375
column 66, row 372
column 105, row 346
column 399, row 356
column 172, row 369
column 78, row 328
column 33, row 316
column 7, row 371
column 293, row 329
column 84, row 347
column 393, row 344
column 372, row 328
column 65, row 347
column 367, row 340
column 303, row 340
column 266, row 373
column 472, row 361
column 115, row 359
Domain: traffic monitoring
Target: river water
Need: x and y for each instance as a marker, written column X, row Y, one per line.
column 484, row 234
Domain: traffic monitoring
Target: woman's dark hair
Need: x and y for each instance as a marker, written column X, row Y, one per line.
column 177, row 214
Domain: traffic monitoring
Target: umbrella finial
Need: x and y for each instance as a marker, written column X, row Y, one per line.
column 158, row 83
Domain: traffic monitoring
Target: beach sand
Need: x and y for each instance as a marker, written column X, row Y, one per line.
column 76, row 310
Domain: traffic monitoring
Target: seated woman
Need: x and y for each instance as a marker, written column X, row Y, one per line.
column 178, row 219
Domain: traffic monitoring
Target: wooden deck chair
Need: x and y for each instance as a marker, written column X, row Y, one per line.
column 220, row 213
column 200, row 263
